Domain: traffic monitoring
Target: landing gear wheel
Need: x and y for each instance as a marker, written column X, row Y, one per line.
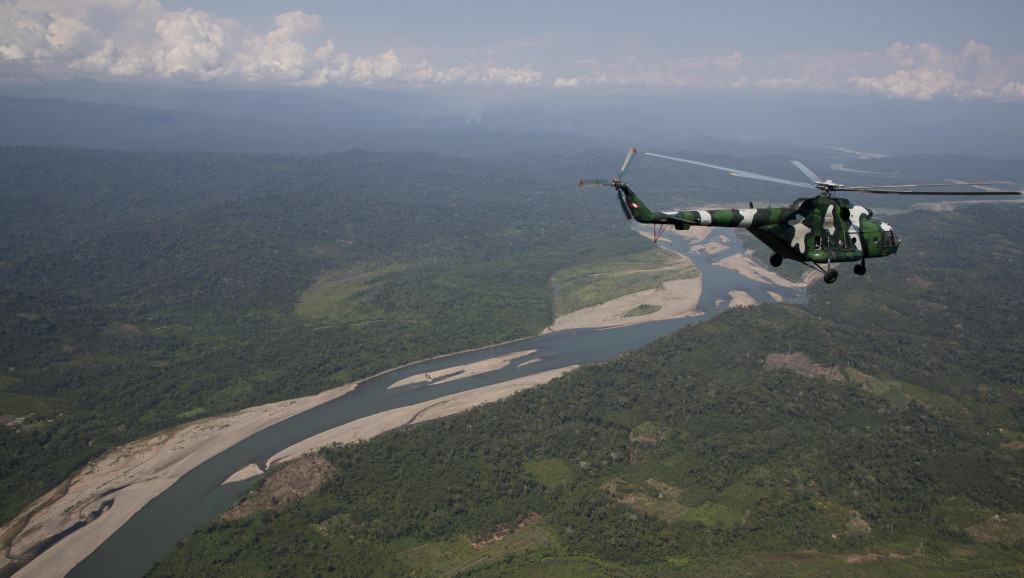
column 860, row 269
column 775, row 260
column 831, row 275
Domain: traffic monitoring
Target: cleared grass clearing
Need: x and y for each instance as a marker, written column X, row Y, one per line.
column 456, row 557
column 591, row 284
column 332, row 296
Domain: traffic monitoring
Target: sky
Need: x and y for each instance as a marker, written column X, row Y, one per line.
column 913, row 51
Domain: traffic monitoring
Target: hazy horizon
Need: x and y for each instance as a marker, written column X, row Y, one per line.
column 915, row 77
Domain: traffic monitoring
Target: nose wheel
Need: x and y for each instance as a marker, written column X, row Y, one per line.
column 860, row 268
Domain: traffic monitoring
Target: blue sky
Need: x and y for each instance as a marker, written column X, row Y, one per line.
column 962, row 51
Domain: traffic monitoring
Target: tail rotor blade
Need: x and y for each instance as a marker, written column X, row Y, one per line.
column 625, row 207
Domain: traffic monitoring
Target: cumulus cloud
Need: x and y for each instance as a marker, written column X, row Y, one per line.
column 141, row 39
column 925, row 72
column 921, row 72
column 190, row 43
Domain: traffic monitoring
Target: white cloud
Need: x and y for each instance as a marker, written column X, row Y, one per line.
column 925, row 72
column 64, row 32
column 510, row 76
column 921, row 72
column 282, row 53
column 141, row 39
column 192, row 43
column 920, row 84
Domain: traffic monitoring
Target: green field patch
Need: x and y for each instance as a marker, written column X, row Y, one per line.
column 570, row 567
column 888, row 389
column 654, row 497
column 457, row 556
column 7, row 382
column 641, row 310
column 648, row 432
column 899, row 393
column 335, row 296
column 742, row 496
column 438, row 558
column 122, row 330
column 932, row 399
column 673, row 471
column 192, row 413
column 551, row 472
column 23, row 404
column 959, row 512
column 16, row 404
column 591, row 284
column 716, row 516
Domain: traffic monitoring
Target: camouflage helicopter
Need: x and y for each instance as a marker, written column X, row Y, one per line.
column 815, row 231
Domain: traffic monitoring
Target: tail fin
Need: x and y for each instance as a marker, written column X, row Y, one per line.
column 632, row 205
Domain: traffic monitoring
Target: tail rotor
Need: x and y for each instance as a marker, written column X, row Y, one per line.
column 617, row 183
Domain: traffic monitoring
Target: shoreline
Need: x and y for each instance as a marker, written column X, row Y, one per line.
column 104, row 494
column 108, row 491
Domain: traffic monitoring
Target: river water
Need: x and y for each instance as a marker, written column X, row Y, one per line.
column 199, row 495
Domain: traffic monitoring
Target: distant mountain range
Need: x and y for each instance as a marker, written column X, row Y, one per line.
column 91, row 115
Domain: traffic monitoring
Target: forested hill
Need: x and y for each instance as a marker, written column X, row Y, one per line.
column 876, row 430
column 142, row 290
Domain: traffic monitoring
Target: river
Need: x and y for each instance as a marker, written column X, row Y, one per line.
column 199, row 496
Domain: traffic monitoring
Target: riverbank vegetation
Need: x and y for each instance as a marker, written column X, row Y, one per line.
column 594, row 283
column 875, row 430
column 143, row 290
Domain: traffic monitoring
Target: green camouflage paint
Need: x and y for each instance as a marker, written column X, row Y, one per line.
column 816, row 230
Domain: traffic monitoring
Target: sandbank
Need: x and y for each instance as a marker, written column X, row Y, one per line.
column 674, row 299
column 114, row 487
column 440, row 376
column 693, row 234
column 741, row 299
column 117, row 485
column 370, row 426
column 712, row 248
column 745, row 265
column 123, row 480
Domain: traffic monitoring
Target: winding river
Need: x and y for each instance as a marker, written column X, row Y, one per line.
column 199, row 496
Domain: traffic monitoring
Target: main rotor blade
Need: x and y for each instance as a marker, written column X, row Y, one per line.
column 736, row 172
column 625, row 164
column 806, row 171
column 906, row 190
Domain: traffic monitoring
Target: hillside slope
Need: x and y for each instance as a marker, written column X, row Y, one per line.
column 878, row 429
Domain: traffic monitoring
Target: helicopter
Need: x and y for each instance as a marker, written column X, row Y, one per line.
column 817, row 231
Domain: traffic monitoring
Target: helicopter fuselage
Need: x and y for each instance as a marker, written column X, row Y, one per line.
column 817, row 229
